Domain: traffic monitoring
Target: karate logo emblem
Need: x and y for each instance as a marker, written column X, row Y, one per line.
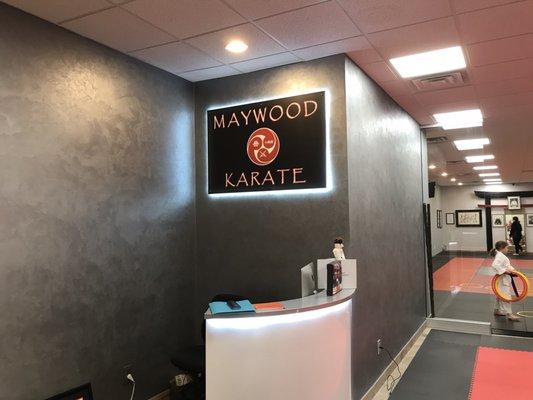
column 263, row 146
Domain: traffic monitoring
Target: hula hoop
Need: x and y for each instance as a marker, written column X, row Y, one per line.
column 502, row 296
column 525, row 314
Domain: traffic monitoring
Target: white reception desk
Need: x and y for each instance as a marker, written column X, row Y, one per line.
column 300, row 353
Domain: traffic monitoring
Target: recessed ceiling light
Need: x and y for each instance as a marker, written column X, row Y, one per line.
column 444, row 174
column 460, row 183
column 430, row 62
column 459, row 119
column 489, row 174
column 485, row 167
column 453, row 179
column 432, row 166
column 477, row 159
column 236, row 46
column 471, row 144
column 492, row 180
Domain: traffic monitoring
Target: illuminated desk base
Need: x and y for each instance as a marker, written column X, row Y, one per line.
column 298, row 355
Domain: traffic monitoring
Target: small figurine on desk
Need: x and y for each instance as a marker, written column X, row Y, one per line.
column 338, row 251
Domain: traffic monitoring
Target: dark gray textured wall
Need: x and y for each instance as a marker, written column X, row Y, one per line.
column 96, row 215
column 256, row 245
column 386, row 237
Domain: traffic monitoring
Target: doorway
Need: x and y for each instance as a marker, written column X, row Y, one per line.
column 509, row 215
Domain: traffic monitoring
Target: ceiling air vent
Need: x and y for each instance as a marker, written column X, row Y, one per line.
column 437, row 139
column 437, row 82
column 457, row 162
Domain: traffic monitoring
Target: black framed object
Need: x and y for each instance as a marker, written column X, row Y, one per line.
column 450, row 219
column 83, row 392
column 468, row 218
column 268, row 145
column 426, row 213
column 439, row 219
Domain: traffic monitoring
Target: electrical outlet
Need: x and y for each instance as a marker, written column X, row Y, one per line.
column 127, row 369
column 379, row 346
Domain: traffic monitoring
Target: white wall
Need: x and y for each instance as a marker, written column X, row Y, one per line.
column 463, row 198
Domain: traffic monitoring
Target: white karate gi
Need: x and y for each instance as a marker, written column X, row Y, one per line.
column 501, row 264
column 338, row 252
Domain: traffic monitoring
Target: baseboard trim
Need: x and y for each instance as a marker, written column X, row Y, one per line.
column 161, row 396
column 458, row 325
column 370, row 393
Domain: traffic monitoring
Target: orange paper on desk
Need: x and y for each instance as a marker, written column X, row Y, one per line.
column 268, row 306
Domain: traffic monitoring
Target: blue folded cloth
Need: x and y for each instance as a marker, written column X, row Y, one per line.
column 221, row 307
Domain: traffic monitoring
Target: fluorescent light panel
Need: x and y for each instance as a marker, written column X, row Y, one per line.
column 493, row 183
column 492, row 180
column 489, row 174
column 471, row 144
column 485, row 167
column 478, row 159
column 430, row 62
column 460, row 119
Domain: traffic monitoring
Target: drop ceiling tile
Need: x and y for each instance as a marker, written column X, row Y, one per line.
column 423, row 118
column 397, row 87
column 318, row 24
column 337, row 47
column 265, row 62
column 186, row 18
column 511, row 100
column 175, row 57
column 462, row 6
column 446, row 95
column 507, row 70
column 118, row 29
column 501, row 50
column 259, row 44
column 497, row 22
column 378, row 15
column 254, row 9
column 527, row 176
column 501, row 88
column 437, row 34
column 366, row 56
column 59, row 10
column 379, row 71
column 209, row 73
column 509, row 115
column 453, row 106
column 409, row 104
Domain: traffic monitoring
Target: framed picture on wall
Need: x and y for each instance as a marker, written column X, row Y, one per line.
column 529, row 219
column 468, row 218
column 450, row 219
column 498, row 221
column 439, row 219
column 513, row 203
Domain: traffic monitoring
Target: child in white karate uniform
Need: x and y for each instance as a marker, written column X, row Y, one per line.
column 502, row 265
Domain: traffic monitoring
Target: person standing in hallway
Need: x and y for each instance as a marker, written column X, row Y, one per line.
column 516, row 234
column 502, row 265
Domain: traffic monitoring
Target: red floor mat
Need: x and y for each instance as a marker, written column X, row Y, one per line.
column 502, row 374
column 462, row 274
